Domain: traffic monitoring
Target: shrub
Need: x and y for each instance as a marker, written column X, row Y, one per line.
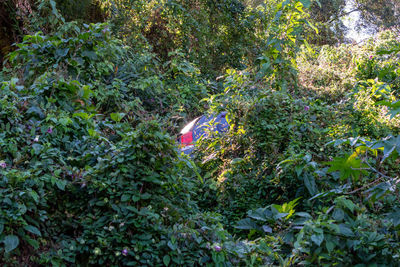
column 115, row 175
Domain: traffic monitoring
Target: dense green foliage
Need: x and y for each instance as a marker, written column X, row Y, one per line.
column 91, row 174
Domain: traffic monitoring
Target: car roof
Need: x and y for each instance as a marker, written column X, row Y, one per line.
column 188, row 127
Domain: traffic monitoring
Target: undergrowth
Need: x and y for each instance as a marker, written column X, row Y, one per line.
column 91, row 175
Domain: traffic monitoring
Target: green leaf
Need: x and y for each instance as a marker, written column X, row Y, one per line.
column 393, row 107
column 37, row 148
column 166, row 260
column 172, row 245
column 89, row 54
column 304, row 215
column 260, row 214
column 32, row 242
column 317, row 239
column 83, row 115
column 299, row 169
column 125, row 197
column 309, row 48
column 390, row 145
column 61, row 184
column 306, row 3
column 33, row 230
column 347, row 203
column 345, row 230
column 135, row 198
column 236, row 161
column 388, row 52
column 310, row 184
column 86, row 92
column 34, row 195
column 278, row 15
column 285, row 210
column 338, row 214
column 36, row 111
column 145, row 196
column 61, row 52
column 65, row 121
column 54, row 8
column 379, row 191
column 348, row 167
column 117, row 117
column 267, row 229
column 10, row 243
column 246, row 224
column 329, row 246
column 393, row 216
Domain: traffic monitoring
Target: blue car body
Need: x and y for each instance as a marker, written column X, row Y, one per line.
column 200, row 127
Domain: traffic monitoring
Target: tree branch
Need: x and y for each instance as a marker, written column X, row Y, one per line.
column 343, row 15
column 396, row 180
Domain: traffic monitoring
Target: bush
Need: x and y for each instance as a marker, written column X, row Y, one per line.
column 267, row 127
column 106, row 164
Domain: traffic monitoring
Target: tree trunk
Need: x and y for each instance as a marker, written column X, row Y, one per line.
column 14, row 16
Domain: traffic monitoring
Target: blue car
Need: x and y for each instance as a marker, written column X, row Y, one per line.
column 200, row 127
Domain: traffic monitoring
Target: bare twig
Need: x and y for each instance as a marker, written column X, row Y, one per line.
column 378, row 172
column 396, row 180
column 364, row 187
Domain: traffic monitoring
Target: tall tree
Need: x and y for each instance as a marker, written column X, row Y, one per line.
column 84, row 10
column 326, row 15
column 378, row 14
column 374, row 15
column 14, row 18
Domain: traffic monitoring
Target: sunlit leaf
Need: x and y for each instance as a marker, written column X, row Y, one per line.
column 349, row 166
column 390, row 145
column 117, row 117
